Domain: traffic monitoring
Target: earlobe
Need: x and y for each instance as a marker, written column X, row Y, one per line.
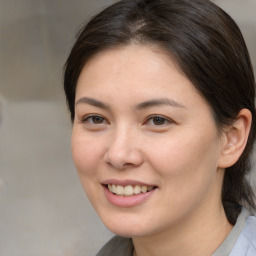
column 236, row 137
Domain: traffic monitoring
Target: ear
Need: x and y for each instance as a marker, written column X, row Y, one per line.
column 235, row 138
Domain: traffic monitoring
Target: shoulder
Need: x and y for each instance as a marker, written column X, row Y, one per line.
column 117, row 246
column 246, row 242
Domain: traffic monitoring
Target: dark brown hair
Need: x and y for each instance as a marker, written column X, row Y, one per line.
column 207, row 46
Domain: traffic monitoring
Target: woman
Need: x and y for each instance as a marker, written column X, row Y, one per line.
column 161, row 95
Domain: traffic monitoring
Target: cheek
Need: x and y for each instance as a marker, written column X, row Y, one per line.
column 185, row 159
column 86, row 153
column 187, row 169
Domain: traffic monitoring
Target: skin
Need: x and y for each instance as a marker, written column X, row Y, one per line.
column 181, row 152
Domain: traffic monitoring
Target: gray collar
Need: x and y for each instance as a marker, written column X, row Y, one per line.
column 117, row 246
column 226, row 247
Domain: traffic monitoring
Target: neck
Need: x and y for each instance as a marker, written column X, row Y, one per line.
column 195, row 236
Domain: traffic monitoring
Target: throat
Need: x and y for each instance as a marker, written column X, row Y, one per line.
column 194, row 240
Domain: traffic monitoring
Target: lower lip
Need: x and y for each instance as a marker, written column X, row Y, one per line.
column 127, row 201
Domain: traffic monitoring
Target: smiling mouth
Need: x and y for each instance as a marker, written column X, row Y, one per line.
column 129, row 190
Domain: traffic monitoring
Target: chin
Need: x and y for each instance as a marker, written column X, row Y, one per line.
column 128, row 227
column 128, row 232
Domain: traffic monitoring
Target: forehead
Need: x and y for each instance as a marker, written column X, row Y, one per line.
column 150, row 56
column 136, row 73
column 132, row 63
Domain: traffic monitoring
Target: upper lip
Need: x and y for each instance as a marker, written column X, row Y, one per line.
column 126, row 182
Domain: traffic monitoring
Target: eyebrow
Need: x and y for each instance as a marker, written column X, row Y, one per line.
column 158, row 102
column 93, row 102
column 143, row 105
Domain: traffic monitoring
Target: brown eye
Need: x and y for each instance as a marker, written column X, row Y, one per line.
column 94, row 119
column 97, row 119
column 158, row 120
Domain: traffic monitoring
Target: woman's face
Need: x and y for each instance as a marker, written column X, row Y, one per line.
column 144, row 142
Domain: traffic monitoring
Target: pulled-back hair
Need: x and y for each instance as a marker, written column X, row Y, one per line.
column 208, row 47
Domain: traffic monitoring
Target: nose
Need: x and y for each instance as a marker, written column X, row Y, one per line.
column 123, row 151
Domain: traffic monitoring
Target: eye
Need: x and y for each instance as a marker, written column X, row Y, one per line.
column 94, row 119
column 158, row 120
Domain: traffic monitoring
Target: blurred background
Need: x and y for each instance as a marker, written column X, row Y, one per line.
column 43, row 209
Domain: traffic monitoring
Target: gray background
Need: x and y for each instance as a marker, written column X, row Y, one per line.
column 43, row 210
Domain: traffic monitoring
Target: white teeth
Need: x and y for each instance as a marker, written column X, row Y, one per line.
column 137, row 189
column 144, row 189
column 119, row 190
column 129, row 189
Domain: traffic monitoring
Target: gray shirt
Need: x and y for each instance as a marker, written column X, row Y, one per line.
column 241, row 241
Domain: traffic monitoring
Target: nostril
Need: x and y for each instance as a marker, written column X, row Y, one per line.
column 123, row 159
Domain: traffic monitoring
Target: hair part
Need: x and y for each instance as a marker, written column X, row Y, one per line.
column 208, row 47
